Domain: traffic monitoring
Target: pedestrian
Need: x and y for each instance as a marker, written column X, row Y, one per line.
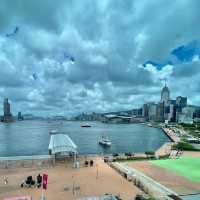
column 5, row 179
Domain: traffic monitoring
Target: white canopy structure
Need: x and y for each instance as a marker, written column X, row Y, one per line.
column 61, row 143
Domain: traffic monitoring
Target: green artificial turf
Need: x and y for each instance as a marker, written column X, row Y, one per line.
column 189, row 167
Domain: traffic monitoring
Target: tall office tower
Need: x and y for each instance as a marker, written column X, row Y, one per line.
column 7, row 114
column 20, row 117
column 6, row 107
column 181, row 102
column 165, row 94
column 152, row 111
column 145, row 111
column 172, row 113
column 160, row 112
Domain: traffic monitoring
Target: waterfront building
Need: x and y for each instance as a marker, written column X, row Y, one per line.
column 152, row 111
column 172, row 113
column 182, row 118
column 165, row 95
column 28, row 117
column 173, row 102
column 160, row 112
column 117, row 119
column 136, row 112
column 166, row 111
column 19, row 116
column 7, row 117
column 187, row 115
column 140, row 112
column 181, row 102
column 6, row 107
column 197, row 113
column 145, row 111
column 165, row 99
column 189, row 111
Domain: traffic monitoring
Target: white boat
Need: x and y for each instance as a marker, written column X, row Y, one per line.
column 86, row 125
column 53, row 132
column 104, row 141
column 150, row 125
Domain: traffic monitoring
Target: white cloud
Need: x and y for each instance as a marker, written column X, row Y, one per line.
column 165, row 72
column 110, row 40
column 196, row 58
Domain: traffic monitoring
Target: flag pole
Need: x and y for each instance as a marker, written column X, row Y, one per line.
column 44, row 185
column 42, row 194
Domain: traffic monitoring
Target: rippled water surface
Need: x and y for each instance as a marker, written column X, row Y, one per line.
column 32, row 137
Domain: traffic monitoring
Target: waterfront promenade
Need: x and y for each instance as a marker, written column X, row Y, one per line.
column 165, row 149
column 171, row 179
column 88, row 181
column 172, row 135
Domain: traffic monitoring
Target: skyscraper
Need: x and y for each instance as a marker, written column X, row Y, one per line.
column 165, row 95
column 20, row 117
column 152, row 111
column 145, row 111
column 7, row 114
column 160, row 112
column 6, row 107
column 181, row 102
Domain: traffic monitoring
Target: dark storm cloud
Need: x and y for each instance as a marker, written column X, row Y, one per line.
column 44, row 14
column 110, row 40
column 186, row 70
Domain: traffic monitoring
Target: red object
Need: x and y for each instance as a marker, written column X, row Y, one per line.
column 45, row 181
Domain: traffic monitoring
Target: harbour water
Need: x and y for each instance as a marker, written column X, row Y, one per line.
column 23, row 138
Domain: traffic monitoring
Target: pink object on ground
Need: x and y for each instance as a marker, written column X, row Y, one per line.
column 19, row 198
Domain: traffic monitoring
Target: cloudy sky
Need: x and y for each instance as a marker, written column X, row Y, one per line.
column 122, row 51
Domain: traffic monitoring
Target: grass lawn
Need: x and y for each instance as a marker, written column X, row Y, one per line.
column 188, row 167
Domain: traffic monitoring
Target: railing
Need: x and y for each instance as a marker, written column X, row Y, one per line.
column 145, row 183
column 27, row 161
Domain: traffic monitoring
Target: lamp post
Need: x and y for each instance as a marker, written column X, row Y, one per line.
column 73, row 185
column 97, row 171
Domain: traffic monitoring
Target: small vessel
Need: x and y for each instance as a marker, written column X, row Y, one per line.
column 86, row 125
column 104, row 141
column 53, row 132
column 150, row 125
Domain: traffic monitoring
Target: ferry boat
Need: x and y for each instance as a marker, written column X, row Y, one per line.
column 150, row 125
column 104, row 141
column 86, row 125
column 53, row 132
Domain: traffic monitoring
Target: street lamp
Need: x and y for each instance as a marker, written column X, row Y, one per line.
column 97, row 171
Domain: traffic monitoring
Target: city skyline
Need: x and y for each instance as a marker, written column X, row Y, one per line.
column 162, row 97
column 60, row 62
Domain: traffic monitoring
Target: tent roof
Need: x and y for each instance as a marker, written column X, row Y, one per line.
column 61, row 143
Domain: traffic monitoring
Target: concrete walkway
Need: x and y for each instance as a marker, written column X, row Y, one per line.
column 144, row 182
